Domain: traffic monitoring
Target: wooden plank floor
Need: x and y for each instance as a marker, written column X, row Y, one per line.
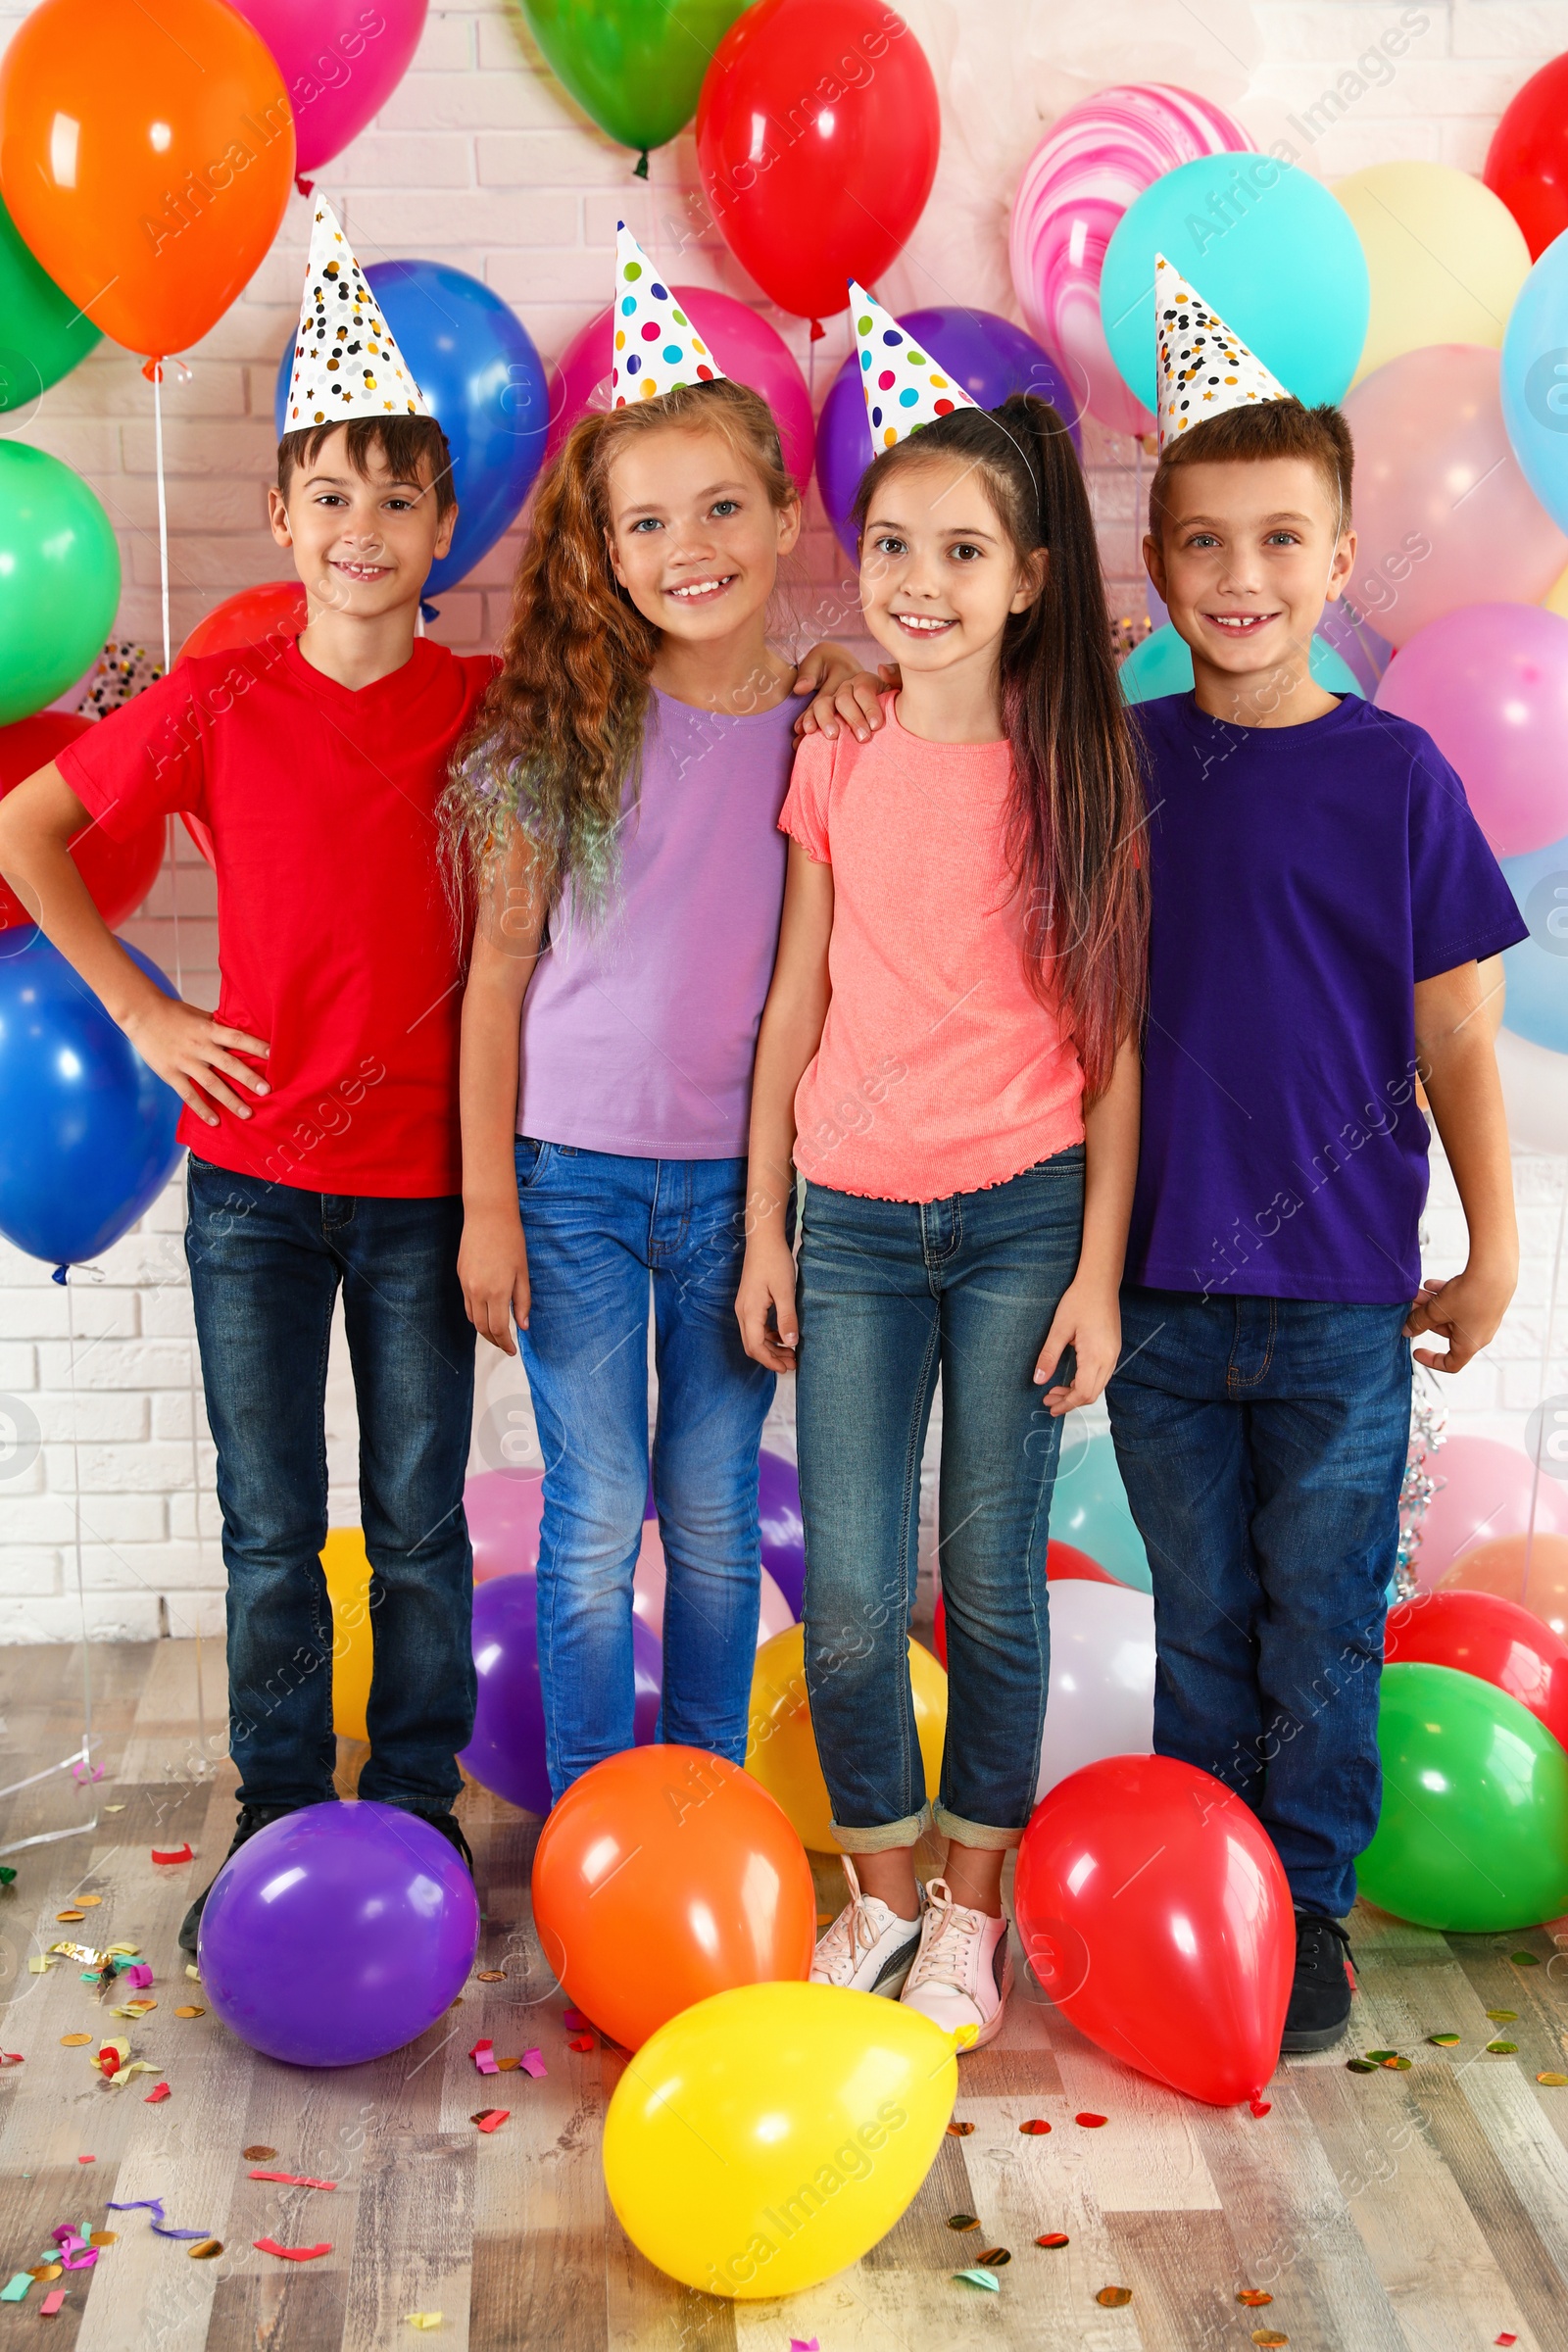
column 1416, row 2212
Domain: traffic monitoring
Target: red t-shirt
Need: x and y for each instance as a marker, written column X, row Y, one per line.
column 337, row 941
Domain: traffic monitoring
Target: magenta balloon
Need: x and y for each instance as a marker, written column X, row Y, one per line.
column 337, row 70
column 1490, row 684
column 502, row 1508
column 1076, row 188
column 1484, row 1489
column 338, row 1934
column 1444, row 514
column 506, row 1755
column 746, row 347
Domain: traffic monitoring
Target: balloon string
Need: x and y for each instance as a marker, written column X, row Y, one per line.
column 163, row 504
column 82, row 1582
column 1546, row 1354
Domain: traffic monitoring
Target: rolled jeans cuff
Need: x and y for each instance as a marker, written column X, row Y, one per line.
column 973, row 1832
column 886, row 1837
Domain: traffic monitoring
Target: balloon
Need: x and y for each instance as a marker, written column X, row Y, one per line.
column 1490, row 684
column 1089, row 1509
column 990, row 357
column 1473, row 1835
column 348, row 1587
column 1163, row 664
column 675, row 1856
column 340, row 62
column 781, row 1748
column 45, row 334
column 817, row 131
column 1267, row 246
column 1535, row 383
column 1444, row 256
column 1156, row 1913
column 748, row 349
column 1481, row 1634
column 475, row 361
column 1092, row 164
column 775, row 1616
column 86, row 1129
column 147, row 165
column 1527, row 162
column 59, row 575
column 783, row 1529
column 1365, row 653
column 503, row 1508
column 1536, row 1001
column 1064, row 1564
column 118, row 874
column 1101, row 1695
column 1532, row 1570
column 1444, row 515
column 635, row 66
column 1484, row 1489
column 506, row 1755
column 269, row 613
column 338, row 1934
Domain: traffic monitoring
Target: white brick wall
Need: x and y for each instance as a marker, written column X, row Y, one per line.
column 479, row 159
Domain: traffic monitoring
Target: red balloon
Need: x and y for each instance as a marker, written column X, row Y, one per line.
column 271, row 615
column 118, row 874
column 1481, row 1634
column 1064, row 1562
column 817, row 131
column 1527, row 162
column 1157, row 1915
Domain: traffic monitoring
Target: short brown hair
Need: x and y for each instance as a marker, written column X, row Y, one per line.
column 1272, row 428
column 414, row 449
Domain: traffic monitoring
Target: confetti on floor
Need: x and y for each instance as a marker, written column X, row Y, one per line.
column 88, row 1902
column 1444, row 2042
column 180, row 1853
column 155, row 2206
column 102, row 2238
column 1053, row 2239
column 484, row 2054
column 1505, row 2340
column 15, row 2289
column 270, row 2245
column 960, row 2130
column 1525, row 1959
column 1254, row 2297
column 1361, row 2065
column 75, row 2041
column 52, row 2303
column 962, row 2220
column 1090, row 2123
column 532, row 2063
column 209, row 2248
column 86, row 2159
column 995, row 2258
column 1502, row 2049
column 293, row 2179
column 1503, row 2016
column 258, row 2154
column 66, row 1918
column 1113, row 2297
column 579, row 2042
column 1268, row 2335
column 491, row 2119
column 804, row 2343
column 489, row 1975
column 1035, row 2127
column 422, row 2319
column 190, row 2009
column 574, row 2021
column 978, row 2278
column 1553, row 2081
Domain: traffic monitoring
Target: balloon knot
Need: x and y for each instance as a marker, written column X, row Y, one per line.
column 306, row 187
column 153, row 370
column 59, row 1275
column 1262, row 2106
column 818, row 330
column 430, row 613
column 640, row 168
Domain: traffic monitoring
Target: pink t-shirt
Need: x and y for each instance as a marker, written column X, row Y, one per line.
column 940, row 1070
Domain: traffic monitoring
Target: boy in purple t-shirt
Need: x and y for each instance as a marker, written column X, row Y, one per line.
column 1321, row 899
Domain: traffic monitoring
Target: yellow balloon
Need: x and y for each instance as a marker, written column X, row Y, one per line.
column 770, row 2136
column 1445, row 257
column 781, row 1750
column 1557, row 601
column 348, row 1585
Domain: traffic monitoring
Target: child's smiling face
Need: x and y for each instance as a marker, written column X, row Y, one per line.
column 364, row 543
column 693, row 536
column 940, row 576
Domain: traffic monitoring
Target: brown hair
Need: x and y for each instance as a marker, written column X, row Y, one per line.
column 1272, row 428
column 1077, row 809
column 414, row 449
column 558, row 733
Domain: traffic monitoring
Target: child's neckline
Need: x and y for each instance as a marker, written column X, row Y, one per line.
column 729, row 718
column 939, row 743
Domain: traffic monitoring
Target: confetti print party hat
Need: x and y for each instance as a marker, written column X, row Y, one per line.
column 1203, row 369
column 658, row 349
column 904, row 386
column 346, row 363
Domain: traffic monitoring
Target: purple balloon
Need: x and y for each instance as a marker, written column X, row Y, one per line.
column 783, row 1529
column 506, row 1755
column 1356, row 642
column 990, row 357
column 338, row 1934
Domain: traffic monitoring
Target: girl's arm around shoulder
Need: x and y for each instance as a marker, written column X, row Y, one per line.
column 1088, row 1317
column 493, row 1259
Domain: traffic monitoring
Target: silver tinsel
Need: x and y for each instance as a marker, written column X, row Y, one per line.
column 1428, row 1419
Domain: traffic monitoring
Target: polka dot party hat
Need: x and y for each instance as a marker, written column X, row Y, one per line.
column 1203, row 369
column 658, row 349
column 346, row 363
column 904, row 386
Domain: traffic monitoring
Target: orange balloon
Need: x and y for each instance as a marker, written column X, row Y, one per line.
column 1530, row 1569
column 662, row 1876
column 146, row 156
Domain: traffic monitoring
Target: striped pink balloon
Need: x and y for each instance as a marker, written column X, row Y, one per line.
column 1078, row 183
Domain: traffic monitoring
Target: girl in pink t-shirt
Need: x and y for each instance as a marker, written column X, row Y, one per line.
column 948, row 1057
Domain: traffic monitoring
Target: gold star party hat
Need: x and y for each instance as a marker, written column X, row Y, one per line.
column 658, row 349
column 904, row 386
column 346, row 362
column 1203, row 369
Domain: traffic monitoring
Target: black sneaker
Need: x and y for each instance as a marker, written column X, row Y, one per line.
column 1320, row 1996
column 446, row 1824
column 248, row 1821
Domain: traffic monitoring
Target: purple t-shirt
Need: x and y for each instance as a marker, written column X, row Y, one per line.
column 1303, row 880
column 638, row 1028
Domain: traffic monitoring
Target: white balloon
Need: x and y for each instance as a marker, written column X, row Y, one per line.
column 1102, row 1699
column 1535, row 1090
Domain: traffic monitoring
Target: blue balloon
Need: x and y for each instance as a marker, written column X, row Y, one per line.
column 1535, row 998
column 990, row 357
column 1535, row 381
column 1090, row 1509
column 1163, row 664
column 86, row 1129
column 1264, row 243
column 475, row 361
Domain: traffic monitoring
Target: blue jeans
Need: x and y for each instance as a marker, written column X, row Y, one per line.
column 891, row 1292
column 266, row 1261
column 601, row 1229
column 1263, row 1442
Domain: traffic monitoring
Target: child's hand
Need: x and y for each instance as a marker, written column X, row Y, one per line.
column 1465, row 1309
column 852, row 699
column 493, row 1269
column 187, row 1048
column 1088, row 1320
column 767, row 1287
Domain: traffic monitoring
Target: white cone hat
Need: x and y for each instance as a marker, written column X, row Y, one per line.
column 346, row 362
column 904, row 386
column 656, row 348
column 1203, row 368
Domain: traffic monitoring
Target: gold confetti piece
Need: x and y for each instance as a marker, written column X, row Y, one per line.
column 1053, row 2239
column 75, row 2041
column 1444, row 2042
column 1503, row 2016
column 132, row 1952
column 993, row 2258
column 423, row 2318
column 104, row 2237
column 1502, row 2049
column 1553, row 2081
column 46, row 2271
column 88, row 1902
column 960, row 2131
column 1113, row 2297
column 492, row 1976
column 191, row 2009
column 1268, row 2335
column 1254, row 2297
column 209, row 2247
column 40, row 1965
column 962, row 2220
column 193, row 1972
column 65, row 1916
column 258, row 2154
column 114, row 1808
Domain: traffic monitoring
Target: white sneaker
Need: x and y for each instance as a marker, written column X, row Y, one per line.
column 868, row 1948
column 962, row 1972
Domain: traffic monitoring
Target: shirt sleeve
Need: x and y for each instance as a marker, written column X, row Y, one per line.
column 804, row 813
column 1460, row 904
column 147, row 758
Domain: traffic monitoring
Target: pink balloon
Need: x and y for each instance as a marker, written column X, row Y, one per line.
column 1076, row 188
column 746, row 347
column 775, row 1615
column 1490, row 684
column 1444, row 514
column 337, row 70
column 1483, row 1490
column 647, row 1580
column 502, row 1508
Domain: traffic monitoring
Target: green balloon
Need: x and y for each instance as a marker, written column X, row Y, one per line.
column 1089, row 1509
column 58, row 579
column 42, row 334
column 635, row 66
column 1162, row 664
column 1473, row 1835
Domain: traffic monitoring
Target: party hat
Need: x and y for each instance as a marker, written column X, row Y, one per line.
column 658, row 349
column 904, row 385
column 1204, row 368
column 346, row 363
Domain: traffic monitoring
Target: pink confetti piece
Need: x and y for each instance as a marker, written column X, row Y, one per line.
column 574, row 2021
column 138, row 1975
column 10, row 2057
column 1505, row 2340
column 86, row 2159
column 270, row 2245
column 294, row 2179
column 484, row 2054
column 156, row 2096
column 532, row 2063
column 493, row 2118
column 52, row 2304
column 804, row 2343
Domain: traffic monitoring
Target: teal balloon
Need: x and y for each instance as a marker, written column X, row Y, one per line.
column 1090, row 1508
column 58, row 579
column 635, row 66
column 1163, row 664
column 1535, row 379
column 43, row 333
column 1535, row 1001
column 1473, row 1835
column 1268, row 247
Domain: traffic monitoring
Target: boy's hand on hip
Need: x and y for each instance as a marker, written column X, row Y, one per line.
column 767, row 1290
column 493, row 1269
column 1465, row 1309
column 188, row 1049
column 1088, row 1320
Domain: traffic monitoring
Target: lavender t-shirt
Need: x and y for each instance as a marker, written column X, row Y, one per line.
column 638, row 1028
